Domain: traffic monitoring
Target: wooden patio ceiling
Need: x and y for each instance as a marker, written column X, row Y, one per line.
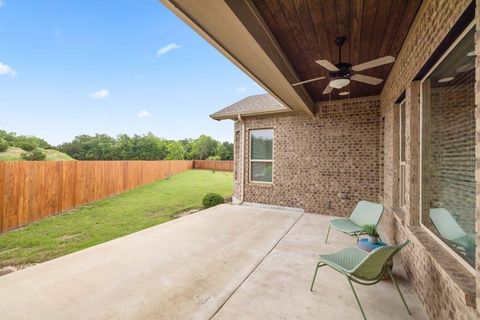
column 306, row 30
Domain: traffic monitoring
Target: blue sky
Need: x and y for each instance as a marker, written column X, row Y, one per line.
column 110, row 66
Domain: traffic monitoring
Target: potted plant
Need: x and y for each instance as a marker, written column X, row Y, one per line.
column 371, row 231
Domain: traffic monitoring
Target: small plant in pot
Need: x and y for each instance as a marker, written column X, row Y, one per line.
column 372, row 233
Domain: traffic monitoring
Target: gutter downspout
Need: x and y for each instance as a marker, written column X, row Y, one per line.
column 242, row 159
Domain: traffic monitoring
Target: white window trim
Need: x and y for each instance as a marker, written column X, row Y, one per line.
column 402, row 201
column 250, row 160
column 452, row 252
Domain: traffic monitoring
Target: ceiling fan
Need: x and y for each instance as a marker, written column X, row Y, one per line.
column 341, row 73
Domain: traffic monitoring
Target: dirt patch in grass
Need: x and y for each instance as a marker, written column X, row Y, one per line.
column 185, row 213
column 67, row 237
column 156, row 213
column 9, row 269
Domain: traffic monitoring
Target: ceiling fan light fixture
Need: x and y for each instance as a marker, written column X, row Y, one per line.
column 446, row 79
column 344, row 93
column 471, row 54
column 339, row 83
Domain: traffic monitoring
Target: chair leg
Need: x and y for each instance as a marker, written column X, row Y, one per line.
column 328, row 232
column 399, row 292
column 358, row 301
column 314, row 276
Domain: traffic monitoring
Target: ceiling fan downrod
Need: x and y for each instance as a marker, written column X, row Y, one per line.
column 340, row 41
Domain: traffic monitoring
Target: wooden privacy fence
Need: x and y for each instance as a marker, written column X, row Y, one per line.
column 32, row 190
column 219, row 165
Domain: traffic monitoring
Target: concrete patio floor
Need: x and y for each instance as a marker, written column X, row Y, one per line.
column 227, row 262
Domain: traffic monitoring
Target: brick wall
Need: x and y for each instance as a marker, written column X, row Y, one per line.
column 336, row 153
column 434, row 20
column 444, row 285
column 430, row 271
column 323, row 164
column 477, row 142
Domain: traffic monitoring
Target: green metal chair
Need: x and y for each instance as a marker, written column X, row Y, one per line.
column 362, row 267
column 450, row 230
column 365, row 212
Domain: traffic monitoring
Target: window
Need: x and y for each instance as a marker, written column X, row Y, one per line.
column 448, row 148
column 402, row 162
column 261, row 155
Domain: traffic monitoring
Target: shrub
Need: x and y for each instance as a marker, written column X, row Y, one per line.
column 212, row 200
column 25, row 145
column 3, row 145
column 35, row 155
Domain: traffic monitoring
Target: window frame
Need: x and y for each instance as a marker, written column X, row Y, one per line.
column 381, row 185
column 424, row 227
column 250, row 160
column 402, row 164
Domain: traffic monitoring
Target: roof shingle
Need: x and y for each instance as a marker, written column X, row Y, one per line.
column 252, row 105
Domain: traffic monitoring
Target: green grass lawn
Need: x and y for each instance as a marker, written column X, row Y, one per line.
column 14, row 153
column 111, row 218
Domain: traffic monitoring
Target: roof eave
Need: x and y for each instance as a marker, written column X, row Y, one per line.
column 234, row 115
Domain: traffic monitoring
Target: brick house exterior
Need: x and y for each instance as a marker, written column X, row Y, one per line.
column 327, row 162
column 341, row 151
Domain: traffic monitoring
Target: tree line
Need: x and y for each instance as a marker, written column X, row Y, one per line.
column 124, row 147
column 146, row 147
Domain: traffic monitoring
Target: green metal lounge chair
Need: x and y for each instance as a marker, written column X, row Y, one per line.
column 450, row 230
column 362, row 267
column 365, row 212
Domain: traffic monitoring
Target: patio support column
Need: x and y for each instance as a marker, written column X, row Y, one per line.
column 412, row 153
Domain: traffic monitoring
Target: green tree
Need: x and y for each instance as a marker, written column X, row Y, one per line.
column 176, row 151
column 3, row 145
column 28, row 143
column 148, row 147
column 225, row 151
column 145, row 147
column 124, row 147
column 85, row 147
column 203, row 147
column 187, row 146
column 8, row 136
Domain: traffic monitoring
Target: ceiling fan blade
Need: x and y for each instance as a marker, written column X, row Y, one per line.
column 307, row 81
column 373, row 63
column 327, row 90
column 327, row 65
column 366, row 79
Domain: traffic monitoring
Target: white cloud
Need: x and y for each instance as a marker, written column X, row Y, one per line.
column 144, row 114
column 165, row 49
column 100, row 94
column 242, row 89
column 7, row 70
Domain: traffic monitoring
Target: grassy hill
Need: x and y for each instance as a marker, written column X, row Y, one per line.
column 14, row 153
